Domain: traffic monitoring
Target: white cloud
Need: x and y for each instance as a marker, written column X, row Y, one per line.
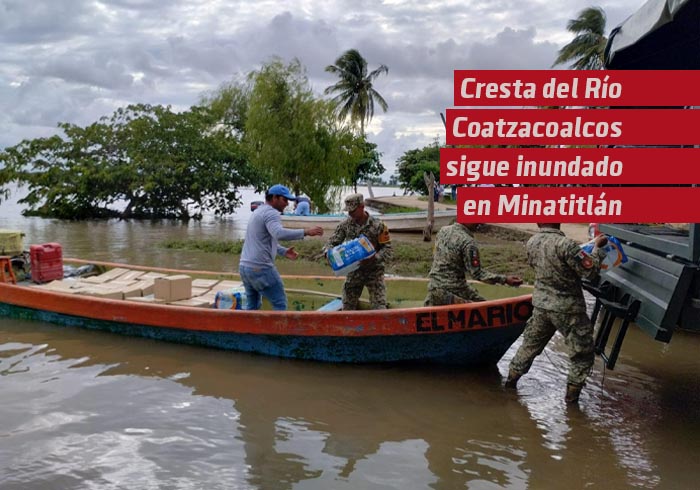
column 78, row 60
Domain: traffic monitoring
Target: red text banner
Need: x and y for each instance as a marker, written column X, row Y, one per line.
column 576, row 87
column 569, row 165
column 578, row 205
column 572, row 126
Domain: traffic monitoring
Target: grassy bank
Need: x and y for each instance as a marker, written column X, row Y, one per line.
column 502, row 251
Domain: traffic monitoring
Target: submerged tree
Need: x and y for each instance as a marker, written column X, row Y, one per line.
column 587, row 49
column 355, row 94
column 142, row 162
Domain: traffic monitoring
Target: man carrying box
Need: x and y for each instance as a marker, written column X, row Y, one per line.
column 370, row 273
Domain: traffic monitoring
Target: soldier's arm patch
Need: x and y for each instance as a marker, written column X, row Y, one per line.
column 474, row 260
column 585, row 259
column 384, row 235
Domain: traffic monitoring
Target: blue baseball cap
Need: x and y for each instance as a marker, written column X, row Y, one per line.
column 280, row 190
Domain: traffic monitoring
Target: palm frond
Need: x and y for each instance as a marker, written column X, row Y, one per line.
column 586, row 50
column 354, row 95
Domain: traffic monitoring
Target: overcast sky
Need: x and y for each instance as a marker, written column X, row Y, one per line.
column 78, row 60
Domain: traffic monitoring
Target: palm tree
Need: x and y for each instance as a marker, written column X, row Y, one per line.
column 355, row 95
column 586, row 50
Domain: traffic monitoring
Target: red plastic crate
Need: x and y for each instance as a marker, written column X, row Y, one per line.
column 47, row 262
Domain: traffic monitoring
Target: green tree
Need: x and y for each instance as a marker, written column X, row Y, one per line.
column 229, row 104
column 414, row 163
column 294, row 138
column 370, row 167
column 587, row 48
column 356, row 95
column 187, row 163
column 161, row 164
column 63, row 176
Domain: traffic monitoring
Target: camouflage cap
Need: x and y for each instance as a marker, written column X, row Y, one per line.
column 353, row 201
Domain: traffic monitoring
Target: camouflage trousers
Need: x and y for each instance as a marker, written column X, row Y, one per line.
column 358, row 279
column 439, row 296
column 577, row 330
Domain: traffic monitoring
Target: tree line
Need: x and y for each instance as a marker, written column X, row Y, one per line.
column 149, row 161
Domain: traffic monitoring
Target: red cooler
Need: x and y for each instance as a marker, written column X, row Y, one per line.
column 47, row 262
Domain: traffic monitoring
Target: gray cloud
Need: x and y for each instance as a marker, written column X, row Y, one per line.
column 78, row 60
column 91, row 70
column 24, row 22
column 514, row 49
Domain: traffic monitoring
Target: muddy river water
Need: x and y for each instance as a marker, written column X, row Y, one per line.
column 92, row 410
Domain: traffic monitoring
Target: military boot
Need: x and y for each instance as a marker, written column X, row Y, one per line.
column 512, row 380
column 572, row 393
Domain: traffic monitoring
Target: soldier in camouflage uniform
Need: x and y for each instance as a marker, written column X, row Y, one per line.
column 559, row 264
column 371, row 270
column 456, row 254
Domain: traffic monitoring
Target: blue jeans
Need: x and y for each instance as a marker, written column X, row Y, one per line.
column 262, row 282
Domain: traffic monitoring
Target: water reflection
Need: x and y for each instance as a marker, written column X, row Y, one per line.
column 138, row 411
column 271, row 423
column 633, row 427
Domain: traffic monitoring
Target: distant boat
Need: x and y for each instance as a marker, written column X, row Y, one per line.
column 396, row 222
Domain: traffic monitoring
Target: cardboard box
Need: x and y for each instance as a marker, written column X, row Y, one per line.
column 146, row 286
column 199, row 291
column 152, row 275
column 102, row 292
column 195, row 302
column 115, row 273
column 11, row 242
column 93, row 280
column 118, row 282
column 63, row 286
column 131, row 276
column 106, row 293
column 110, row 275
column 225, row 285
column 210, row 298
column 133, row 291
column 204, row 283
column 146, row 299
column 172, row 288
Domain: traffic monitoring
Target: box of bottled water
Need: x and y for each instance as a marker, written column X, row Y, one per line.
column 232, row 299
column 346, row 257
column 614, row 254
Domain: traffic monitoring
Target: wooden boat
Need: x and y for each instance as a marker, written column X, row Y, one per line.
column 396, row 222
column 474, row 333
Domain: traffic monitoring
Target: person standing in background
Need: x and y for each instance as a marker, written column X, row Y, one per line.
column 303, row 206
